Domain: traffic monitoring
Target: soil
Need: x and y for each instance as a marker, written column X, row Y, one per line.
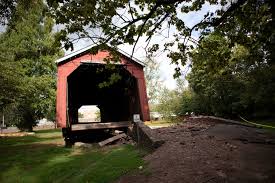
column 206, row 151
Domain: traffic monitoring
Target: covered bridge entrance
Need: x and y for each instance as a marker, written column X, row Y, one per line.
column 79, row 78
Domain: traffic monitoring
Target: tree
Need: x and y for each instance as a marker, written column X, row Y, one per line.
column 120, row 22
column 232, row 68
column 211, row 76
column 227, row 79
column 251, row 34
column 153, row 80
column 10, row 81
column 186, row 103
column 28, row 44
column 168, row 103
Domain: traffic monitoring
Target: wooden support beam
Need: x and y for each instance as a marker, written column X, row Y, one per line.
column 91, row 126
column 109, row 140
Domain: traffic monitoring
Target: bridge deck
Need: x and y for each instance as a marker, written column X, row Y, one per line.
column 99, row 125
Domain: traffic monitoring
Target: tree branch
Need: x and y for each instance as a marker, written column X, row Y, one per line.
column 158, row 24
column 227, row 13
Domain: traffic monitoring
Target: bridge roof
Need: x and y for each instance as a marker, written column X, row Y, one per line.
column 86, row 49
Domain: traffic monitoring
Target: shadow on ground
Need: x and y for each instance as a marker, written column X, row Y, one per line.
column 43, row 158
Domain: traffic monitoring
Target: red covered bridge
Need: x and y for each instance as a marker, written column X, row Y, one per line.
column 79, row 75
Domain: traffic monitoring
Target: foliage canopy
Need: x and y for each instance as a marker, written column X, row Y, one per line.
column 27, row 63
column 125, row 22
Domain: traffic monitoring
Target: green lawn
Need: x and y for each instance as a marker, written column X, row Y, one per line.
column 42, row 158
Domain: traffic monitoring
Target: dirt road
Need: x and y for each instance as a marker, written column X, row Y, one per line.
column 201, row 151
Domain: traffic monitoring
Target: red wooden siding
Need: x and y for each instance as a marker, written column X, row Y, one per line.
column 65, row 68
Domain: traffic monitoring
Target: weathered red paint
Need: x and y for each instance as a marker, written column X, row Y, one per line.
column 66, row 68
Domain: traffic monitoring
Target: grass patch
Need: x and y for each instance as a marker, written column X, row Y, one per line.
column 267, row 124
column 165, row 123
column 42, row 158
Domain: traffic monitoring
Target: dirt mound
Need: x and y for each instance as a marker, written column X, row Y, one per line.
column 205, row 151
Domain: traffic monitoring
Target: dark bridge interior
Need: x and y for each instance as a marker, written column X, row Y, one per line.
column 117, row 102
